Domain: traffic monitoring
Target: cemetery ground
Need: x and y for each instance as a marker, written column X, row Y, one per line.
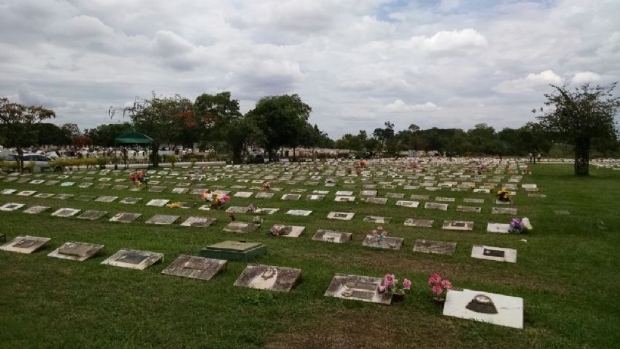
column 566, row 271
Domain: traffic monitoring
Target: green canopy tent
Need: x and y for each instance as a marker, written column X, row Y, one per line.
column 132, row 138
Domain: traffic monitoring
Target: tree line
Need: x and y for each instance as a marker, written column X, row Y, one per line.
column 582, row 117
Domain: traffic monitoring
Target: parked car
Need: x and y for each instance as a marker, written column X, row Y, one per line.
column 39, row 162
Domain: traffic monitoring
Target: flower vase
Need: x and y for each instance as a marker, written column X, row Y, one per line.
column 398, row 297
column 378, row 243
column 439, row 301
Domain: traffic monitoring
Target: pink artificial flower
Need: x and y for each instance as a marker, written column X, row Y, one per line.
column 406, row 284
column 434, row 279
column 446, row 284
column 374, row 232
column 437, row 289
column 384, row 233
column 381, row 288
column 388, row 280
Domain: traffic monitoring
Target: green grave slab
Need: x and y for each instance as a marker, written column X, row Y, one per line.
column 234, row 250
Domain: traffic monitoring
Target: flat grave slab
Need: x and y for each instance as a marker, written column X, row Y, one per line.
column 499, row 202
column 359, row 288
column 180, row 190
column 298, row 212
column 243, row 194
column 344, row 198
column 157, row 202
column 436, row 247
column 436, row 206
column 498, row 254
column 36, row 209
column 66, row 212
column 410, row 204
column 368, row 193
column 386, row 243
column 504, row 210
column 234, row 250
column 76, row 251
column 498, row 228
column 395, row 195
column 315, row 197
column 195, row 267
column 125, row 217
column 443, row 199
column 26, row 193
column 343, row 216
column 63, row 196
column 344, row 193
column 458, row 225
column 106, row 198
column 290, row 231
column 332, row 236
column 377, row 201
column 198, row 222
column 263, row 195
column 267, row 277
column 241, row 227
column 265, row 210
column 133, row 259
column 377, row 219
column 162, row 219
column 473, row 201
column 471, row 209
column 25, row 244
column 44, row 195
column 92, row 215
column 422, row 223
column 419, row 197
column 237, row 209
column 291, row 197
column 11, row 206
column 130, row 201
column 157, row 189
column 486, row 307
column 534, row 195
column 8, row 191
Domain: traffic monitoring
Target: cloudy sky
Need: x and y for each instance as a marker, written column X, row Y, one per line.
column 357, row 63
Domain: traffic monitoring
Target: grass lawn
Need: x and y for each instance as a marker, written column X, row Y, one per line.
column 567, row 272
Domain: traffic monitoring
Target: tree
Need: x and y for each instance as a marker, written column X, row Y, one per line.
column 105, row 135
column 18, row 122
column 212, row 115
column 162, row 118
column 580, row 115
column 242, row 133
column 281, row 119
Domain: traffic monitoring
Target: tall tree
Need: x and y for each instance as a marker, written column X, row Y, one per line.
column 105, row 135
column 212, row 115
column 18, row 122
column 580, row 115
column 281, row 119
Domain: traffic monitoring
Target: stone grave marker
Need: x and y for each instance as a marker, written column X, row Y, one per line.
column 536, row 195
column 498, row 254
column 37, row 181
column 419, row 197
column 36, row 209
column 76, row 251
column 386, row 243
column 320, row 192
column 472, row 209
column 92, row 215
column 243, row 194
column 332, row 236
column 486, row 307
column 436, row 247
column 25, row 244
column 298, row 212
column 267, row 277
column 180, row 190
column 395, row 195
column 234, row 250
column 443, row 199
column 157, row 189
column 66, row 212
column 133, row 259
column 130, row 201
column 290, row 231
column 195, row 267
column 263, row 195
column 11, row 206
column 473, row 201
column 162, row 219
column 157, row 202
column 106, row 198
column 63, row 196
column 103, row 186
column 458, row 225
column 504, row 210
column 67, row 184
column 343, row 216
column 198, row 222
column 410, row 204
column 26, row 193
column 237, row 209
column 368, row 193
column 498, row 202
column 377, row 219
column 344, row 198
column 344, row 193
column 291, row 197
column 421, row 223
column 298, row 190
column 360, row 288
column 52, row 182
column 315, row 197
column 436, row 206
column 44, row 195
column 498, row 228
column 241, row 227
column 482, row 190
column 377, row 201
column 125, row 217
column 265, row 210
column 120, row 187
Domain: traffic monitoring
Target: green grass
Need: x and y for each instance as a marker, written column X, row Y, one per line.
column 567, row 273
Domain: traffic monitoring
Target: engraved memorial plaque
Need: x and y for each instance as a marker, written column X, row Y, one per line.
column 437, row 247
column 198, row 222
column 267, row 277
column 25, row 244
column 133, row 259
column 77, row 251
column 361, row 288
column 195, row 267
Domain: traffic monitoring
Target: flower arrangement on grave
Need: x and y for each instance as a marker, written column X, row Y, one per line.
column 266, row 186
column 257, row 219
column 503, row 195
column 390, row 284
column 217, row 200
column 139, row 177
column 232, row 216
column 439, row 286
column 520, row 226
column 329, row 180
column 252, row 208
column 278, row 230
column 174, row 205
column 364, row 164
column 379, row 234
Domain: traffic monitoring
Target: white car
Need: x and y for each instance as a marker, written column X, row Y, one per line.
column 39, row 162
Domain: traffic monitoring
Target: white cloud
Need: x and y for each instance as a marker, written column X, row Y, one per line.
column 530, row 83
column 584, row 77
column 400, row 106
